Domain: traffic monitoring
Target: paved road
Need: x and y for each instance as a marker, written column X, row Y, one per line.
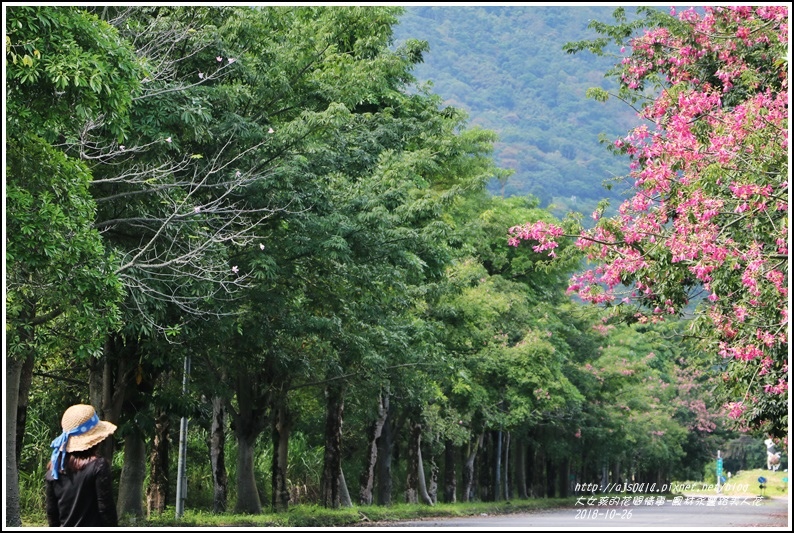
column 730, row 512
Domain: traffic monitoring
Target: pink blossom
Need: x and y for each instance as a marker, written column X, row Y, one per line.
column 735, row 409
column 709, row 197
column 780, row 388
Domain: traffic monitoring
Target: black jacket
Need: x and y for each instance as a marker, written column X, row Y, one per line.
column 83, row 498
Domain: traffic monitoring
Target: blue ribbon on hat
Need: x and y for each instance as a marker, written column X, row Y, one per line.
column 59, row 444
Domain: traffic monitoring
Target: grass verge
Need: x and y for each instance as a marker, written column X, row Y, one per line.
column 742, row 484
column 317, row 517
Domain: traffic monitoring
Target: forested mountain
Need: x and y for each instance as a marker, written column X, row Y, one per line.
column 506, row 67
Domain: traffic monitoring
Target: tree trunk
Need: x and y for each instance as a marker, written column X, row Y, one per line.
column 282, row 424
column 604, row 476
column 535, row 458
column 468, row 469
column 411, row 480
column 484, row 469
column 332, row 461
column 385, row 445
column 521, row 469
column 133, row 473
column 114, row 380
column 96, row 387
column 564, row 478
column 371, row 459
column 415, row 484
column 617, row 473
column 157, row 494
column 450, row 477
column 248, row 422
column 506, row 462
column 25, row 380
column 550, row 481
column 13, row 372
column 432, row 489
column 497, row 485
column 220, row 481
column 247, row 494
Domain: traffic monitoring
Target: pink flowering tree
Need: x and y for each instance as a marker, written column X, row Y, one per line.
column 704, row 229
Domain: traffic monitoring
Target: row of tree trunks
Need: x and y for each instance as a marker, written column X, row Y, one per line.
column 500, row 466
column 531, row 467
column 530, row 471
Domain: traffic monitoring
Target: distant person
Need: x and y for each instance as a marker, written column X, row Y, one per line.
column 79, row 489
column 772, row 456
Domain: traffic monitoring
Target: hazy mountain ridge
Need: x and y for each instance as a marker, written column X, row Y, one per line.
column 505, row 66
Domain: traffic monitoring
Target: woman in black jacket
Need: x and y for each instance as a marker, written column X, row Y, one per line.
column 79, row 485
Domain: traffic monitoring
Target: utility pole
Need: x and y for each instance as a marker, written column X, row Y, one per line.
column 181, row 481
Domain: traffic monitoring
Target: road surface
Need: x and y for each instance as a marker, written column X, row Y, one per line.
column 717, row 513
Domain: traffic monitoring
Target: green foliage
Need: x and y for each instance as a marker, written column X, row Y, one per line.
column 59, row 271
column 33, row 464
column 66, row 68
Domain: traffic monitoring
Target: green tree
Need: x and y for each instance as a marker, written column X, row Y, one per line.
column 64, row 68
column 501, row 327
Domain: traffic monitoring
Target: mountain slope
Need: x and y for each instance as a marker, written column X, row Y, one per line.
column 505, row 66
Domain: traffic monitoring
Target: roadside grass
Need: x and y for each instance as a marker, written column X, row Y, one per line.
column 316, row 516
column 744, row 483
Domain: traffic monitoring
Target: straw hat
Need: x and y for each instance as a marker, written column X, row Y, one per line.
column 78, row 415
